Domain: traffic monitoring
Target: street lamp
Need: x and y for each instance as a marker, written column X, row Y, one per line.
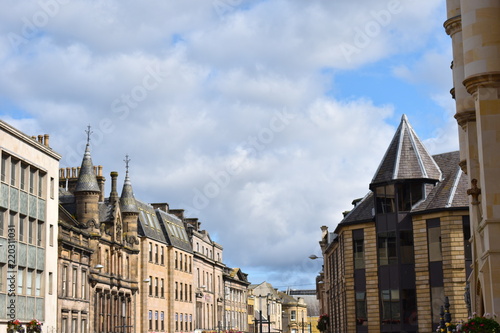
column 314, row 257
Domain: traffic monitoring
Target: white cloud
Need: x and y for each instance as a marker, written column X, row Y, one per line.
column 191, row 91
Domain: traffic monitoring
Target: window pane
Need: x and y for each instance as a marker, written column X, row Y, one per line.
column 434, row 235
column 406, row 247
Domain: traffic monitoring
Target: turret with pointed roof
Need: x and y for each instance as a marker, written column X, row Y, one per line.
column 406, row 159
column 87, row 190
column 128, row 207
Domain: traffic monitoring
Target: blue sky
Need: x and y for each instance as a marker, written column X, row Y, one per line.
column 250, row 115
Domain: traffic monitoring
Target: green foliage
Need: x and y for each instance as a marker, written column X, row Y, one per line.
column 481, row 324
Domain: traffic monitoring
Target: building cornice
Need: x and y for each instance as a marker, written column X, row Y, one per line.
column 491, row 79
column 453, row 25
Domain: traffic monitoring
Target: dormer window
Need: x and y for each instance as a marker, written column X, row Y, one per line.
column 398, row 197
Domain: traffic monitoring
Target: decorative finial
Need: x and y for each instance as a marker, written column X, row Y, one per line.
column 126, row 160
column 88, row 131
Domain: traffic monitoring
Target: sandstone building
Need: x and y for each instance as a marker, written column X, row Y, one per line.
column 28, row 228
column 98, row 252
column 402, row 248
column 474, row 27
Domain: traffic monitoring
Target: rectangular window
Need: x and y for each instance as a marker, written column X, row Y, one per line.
column 150, row 252
column 40, row 184
column 2, row 221
column 32, row 180
column 84, row 326
column 385, row 199
column 64, row 324
column 387, row 252
column 51, row 235
column 20, row 280
column 162, row 320
column 2, row 277
column 24, row 168
column 434, row 239
column 38, row 283
column 39, row 238
column 162, row 256
column 22, row 220
column 31, row 230
column 150, row 318
column 150, row 286
column 359, row 255
column 64, row 279
column 156, row 287
column 176, row 260
column 390, row 306
column 162, row 290
column 52, row 187
column 156, row 320
column 293, row 315
column 4, row 167
column 29, row 282
column 361, row 316
column 50, row 283
column 156, row 253
column 73, row 282
column 176, row 291
column 84, row 285
column 406, row 247
column 13, row 167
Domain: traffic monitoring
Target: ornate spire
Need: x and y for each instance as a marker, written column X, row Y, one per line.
column 127, row 200
column 87, row 181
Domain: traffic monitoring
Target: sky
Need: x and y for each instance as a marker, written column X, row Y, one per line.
column 263, row 119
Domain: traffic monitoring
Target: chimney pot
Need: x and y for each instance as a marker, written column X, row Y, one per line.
column 46, row 140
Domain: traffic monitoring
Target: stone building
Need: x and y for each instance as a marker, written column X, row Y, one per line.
column 154, row 271
column 269, row 308
column 180, row 278
column 474, row 27
column 28, row 228
column 98, row 252
column 235, row 299
column 403, row 247
column 208, row 270
column 294, row 313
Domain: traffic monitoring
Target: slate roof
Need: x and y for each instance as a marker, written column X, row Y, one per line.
column 127, row 200
column 148, row 223
column 449, row 193
column 406, row 158
column 175, row 231
column 87, row 181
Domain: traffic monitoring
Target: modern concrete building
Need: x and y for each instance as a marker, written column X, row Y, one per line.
column 474, row 27
column 28, row 228
column 402, row 248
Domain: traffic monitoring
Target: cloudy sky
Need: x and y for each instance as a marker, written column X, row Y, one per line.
column 264, row 119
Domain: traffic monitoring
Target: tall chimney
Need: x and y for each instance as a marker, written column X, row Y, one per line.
column 113, row 196
column 46, row 140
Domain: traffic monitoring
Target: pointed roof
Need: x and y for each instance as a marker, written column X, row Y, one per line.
column 87, row 181
column 127, row 200
column 406, row 158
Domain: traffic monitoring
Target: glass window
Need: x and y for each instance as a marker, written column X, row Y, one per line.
column 361, row 316
column 359, row 256
column 84, row 285
column 434, row 236
column 24, row 169
column 150, row 286
column 22, row 220
column 4, row 168
column 437, row 299
column 38, row 283
column 2, row 277
column 40, row 184
column 390, row 306
column 293, row 315
column 32, row 180
column 150, row 317
column 387, row 253
column 20, row 280
column 31, row 228
column 13, row 167
column 64, row 278
column 150, row 252
column 73, row 285
column 50, row 283
column 406, row 247
column 385, row 199
column 39, row 238
column 29, row 282
column 2, row 221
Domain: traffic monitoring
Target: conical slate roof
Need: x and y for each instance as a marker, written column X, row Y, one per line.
column 87, row 181
column 406, row 158
column 127, row 200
